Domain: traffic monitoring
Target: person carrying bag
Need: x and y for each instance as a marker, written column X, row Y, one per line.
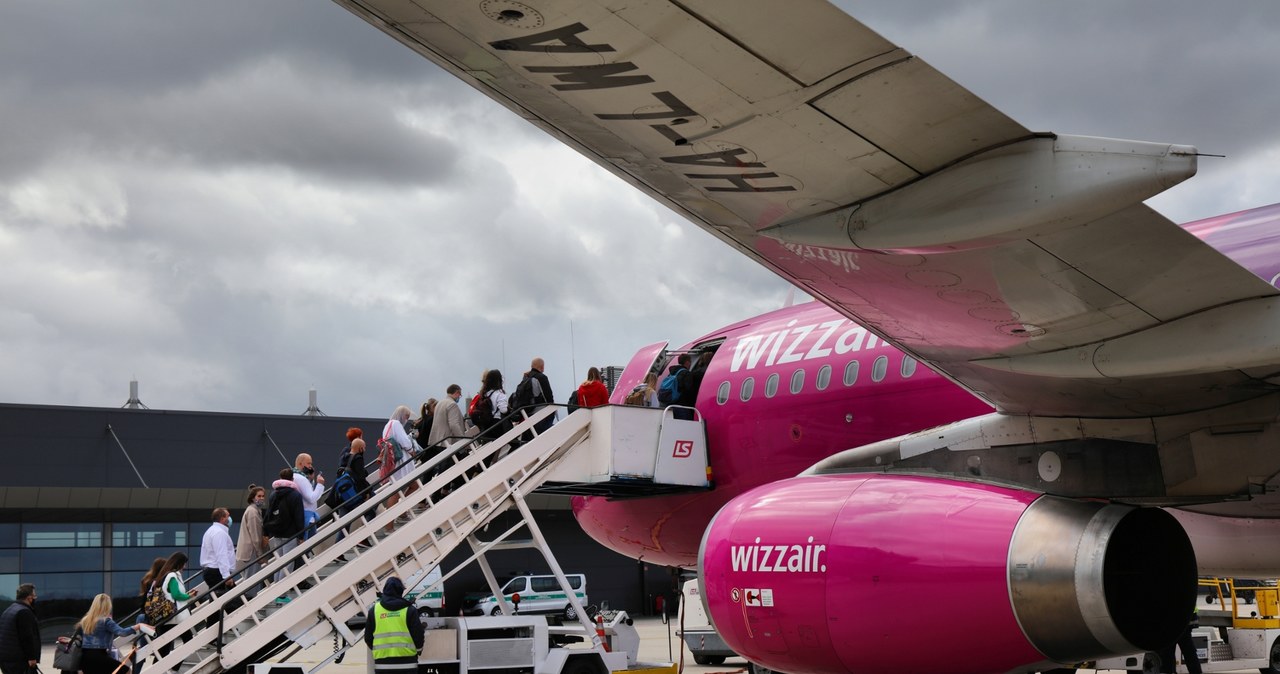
column 68, row 652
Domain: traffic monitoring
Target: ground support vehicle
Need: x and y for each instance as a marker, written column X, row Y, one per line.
column 530, row 644
column 1225, row 640
column 426, row 590
column 704, row 642
column 538, row 594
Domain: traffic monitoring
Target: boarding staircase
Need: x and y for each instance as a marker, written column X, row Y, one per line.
column 460, row 491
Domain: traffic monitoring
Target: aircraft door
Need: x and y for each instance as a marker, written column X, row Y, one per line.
column 639, row 365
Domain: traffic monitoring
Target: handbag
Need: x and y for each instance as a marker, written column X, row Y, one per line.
column 386, row 459
column 390, row 455
column 66, row 654
column 158, row 607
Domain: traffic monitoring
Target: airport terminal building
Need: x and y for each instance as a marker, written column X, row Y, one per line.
column 91, row 496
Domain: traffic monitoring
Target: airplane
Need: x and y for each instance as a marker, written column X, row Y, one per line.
column 1085, row 360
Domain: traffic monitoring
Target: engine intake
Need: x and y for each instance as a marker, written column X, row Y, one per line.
column 1096, row 579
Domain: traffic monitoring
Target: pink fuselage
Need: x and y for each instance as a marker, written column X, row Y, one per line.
column 768, row 438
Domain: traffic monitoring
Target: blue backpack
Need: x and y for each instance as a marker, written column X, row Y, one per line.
column 342, row 493
column 669, row 389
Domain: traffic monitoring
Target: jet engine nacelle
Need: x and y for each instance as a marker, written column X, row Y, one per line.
column 879, row 573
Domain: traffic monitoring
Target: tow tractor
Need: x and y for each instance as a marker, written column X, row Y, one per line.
column 1225, row 640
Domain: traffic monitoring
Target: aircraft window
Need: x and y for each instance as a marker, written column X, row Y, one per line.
column 748, row 385
column 722, row 393
column 851, row 373
column 771, row 385
column 824, row 377
column 880, row 368
column 797, row 381
column 908, row 366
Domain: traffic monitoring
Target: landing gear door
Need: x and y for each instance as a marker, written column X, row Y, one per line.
column 635, row 371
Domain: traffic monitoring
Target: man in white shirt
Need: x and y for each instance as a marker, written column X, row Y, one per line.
column 303, row 469
column 217, row 553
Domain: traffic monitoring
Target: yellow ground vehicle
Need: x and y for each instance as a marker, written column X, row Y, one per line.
column 1232, row 635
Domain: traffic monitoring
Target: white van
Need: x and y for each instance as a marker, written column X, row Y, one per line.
column 698, row 634
column 538, row 594
column 426, row 592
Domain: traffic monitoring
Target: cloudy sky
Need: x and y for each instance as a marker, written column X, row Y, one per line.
column 234, row 202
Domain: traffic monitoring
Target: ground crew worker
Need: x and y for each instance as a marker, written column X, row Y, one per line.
column 393, row 631
column 1186, row 645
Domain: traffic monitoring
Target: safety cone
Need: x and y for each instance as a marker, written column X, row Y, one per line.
column 604, row 640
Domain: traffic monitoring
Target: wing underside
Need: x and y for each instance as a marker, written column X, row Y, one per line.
column 1021, row 265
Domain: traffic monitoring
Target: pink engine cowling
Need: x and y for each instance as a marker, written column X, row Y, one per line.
column 881, row 573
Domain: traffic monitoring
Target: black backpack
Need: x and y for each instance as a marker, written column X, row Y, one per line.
column 523, row 396
column 274, row 522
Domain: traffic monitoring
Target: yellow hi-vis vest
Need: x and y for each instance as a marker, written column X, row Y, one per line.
column 391, row 638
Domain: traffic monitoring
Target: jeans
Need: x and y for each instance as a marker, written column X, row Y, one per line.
column 282, row 551
column 309, row 518
column 246, row 571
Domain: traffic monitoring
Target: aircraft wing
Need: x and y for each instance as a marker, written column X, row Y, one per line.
column 1022, row 265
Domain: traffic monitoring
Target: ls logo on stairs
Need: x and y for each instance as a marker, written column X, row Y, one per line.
column 684, row 448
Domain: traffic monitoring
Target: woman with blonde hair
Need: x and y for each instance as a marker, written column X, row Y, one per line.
column 396, row 450
column 651, row 390
column 99, row 631
column 396, row 446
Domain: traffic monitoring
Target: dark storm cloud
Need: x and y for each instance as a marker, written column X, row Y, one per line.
column 268, row 115
column 236, row 84
column 135, row 46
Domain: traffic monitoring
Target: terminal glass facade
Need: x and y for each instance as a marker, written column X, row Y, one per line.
column 70, row 563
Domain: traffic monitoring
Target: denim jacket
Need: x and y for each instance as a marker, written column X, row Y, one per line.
column 106, row 632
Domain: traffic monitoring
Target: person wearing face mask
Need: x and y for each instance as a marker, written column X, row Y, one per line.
column 217, row 554
column 252, row 543
column 20, row 633
column 310, row 487
column 449, row 425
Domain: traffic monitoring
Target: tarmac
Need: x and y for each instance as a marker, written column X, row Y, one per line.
column 658, row 644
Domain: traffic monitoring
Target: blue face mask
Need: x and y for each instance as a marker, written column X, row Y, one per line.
column 230, row 521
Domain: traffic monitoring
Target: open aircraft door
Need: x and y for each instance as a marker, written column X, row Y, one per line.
column 639, row 365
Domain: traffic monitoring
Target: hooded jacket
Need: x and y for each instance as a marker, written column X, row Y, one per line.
column 285, row 496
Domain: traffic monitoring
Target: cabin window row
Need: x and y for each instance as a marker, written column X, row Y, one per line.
column 879, row 369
